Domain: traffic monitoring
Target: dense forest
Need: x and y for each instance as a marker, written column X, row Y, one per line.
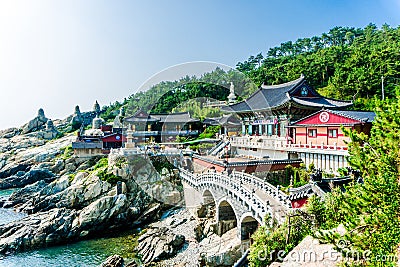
column 179, row 95
column 344, row 63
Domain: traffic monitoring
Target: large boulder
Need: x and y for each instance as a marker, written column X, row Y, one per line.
column 37, row 230
column 21, row 178
column 35, row 124
column 101, row 210
column 113, row 261
column 158, row 244
column 9, row 133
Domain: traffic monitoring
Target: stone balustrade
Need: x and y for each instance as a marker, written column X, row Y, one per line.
column 280, row 143
column 250, row 191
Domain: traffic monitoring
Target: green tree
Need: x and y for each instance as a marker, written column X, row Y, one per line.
column 370, row 211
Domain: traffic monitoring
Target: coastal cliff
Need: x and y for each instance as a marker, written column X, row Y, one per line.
column 67, row 198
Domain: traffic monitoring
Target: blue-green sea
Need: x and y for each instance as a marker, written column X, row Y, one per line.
column 84, row 253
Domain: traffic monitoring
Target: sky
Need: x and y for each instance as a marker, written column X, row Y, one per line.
column 58, row 54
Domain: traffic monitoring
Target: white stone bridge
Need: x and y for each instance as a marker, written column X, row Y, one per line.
column 241, row 200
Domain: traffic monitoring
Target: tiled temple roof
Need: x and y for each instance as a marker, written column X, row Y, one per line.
column 274, row 96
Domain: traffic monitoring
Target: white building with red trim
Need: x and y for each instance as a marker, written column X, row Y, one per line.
column 319, row 138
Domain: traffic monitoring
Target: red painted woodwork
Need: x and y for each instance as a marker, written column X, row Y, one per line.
column 333, row 119
column 298, row 203
column 246, row 168
column 106, row 128
column 114, row 138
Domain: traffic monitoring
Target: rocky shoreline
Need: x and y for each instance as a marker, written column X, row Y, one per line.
column 67, row 199
column 174, row 241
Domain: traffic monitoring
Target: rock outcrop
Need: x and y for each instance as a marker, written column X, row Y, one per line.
column 26, row 159
column 113, row 261
column 9, row 133
column 75, row 207
column 163, row 186
column 311, row 253
column 22, row 178
column 35, row 124
column 77, row 119
column 212, row 250
column 159, row 243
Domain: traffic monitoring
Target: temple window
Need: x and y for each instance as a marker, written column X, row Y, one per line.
column 333, row 133
column 312, row 132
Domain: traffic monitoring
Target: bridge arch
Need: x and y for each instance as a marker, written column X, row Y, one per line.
column 226, row 216
column 248, row 225
column 208, row 197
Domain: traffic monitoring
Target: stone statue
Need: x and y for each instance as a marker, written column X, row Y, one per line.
column 118, row 119
column 51, row 131
column 49, row 125
column 77, row 119
column 96, row 107
column 232, row 88
column 231, row 97
column 41, row 113
column 77, row 110
column 122, row 111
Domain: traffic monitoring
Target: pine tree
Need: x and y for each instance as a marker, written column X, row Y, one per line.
column 370, row 211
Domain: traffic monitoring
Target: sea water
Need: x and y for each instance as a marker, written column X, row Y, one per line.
column 84, row 253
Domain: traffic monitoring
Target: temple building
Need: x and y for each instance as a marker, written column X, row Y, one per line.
column 143, row 127
column 98, row 140
column 230, row 124
column 272, row 108
column 293, row 121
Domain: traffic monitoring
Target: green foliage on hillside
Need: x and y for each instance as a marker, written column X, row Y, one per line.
column 345, row 63
column 101, row 170
column 272, row 242
column 66, row 152
column 197, row 110
column 167, row 95
column 101, row 164
column 111, row 111
column 371, row 211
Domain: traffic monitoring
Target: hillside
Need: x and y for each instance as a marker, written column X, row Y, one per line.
column 345, row 63
column 170, row 96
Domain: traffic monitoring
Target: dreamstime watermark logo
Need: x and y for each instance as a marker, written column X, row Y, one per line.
column 325, row 254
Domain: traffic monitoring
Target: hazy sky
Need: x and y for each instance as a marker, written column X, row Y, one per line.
column 56, row 54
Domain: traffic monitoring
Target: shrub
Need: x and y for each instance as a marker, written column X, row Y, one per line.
column 109, row 177
column 66, row 152
column 102, row 163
